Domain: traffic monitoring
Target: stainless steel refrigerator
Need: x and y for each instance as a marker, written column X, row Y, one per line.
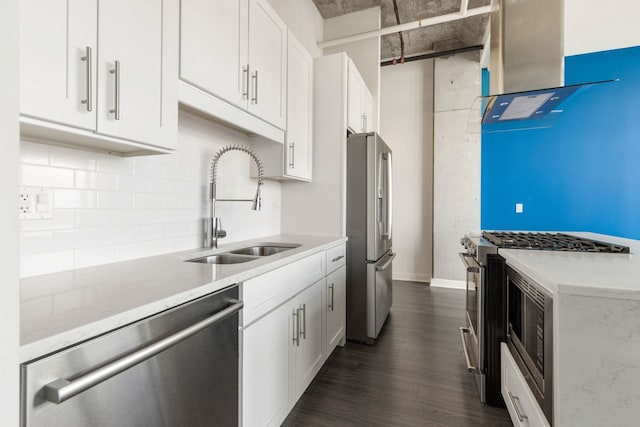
column 369, row 228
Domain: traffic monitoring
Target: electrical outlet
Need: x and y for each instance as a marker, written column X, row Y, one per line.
column 35, row 203
column 519, row 208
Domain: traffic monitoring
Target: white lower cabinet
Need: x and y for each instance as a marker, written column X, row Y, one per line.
column 521, row 404
column 286, row 328
column 336, row 308
column 267, row 363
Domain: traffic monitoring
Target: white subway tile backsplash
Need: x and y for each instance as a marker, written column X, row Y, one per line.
column 70, row 158
column 62, row 219
column 147, row 201
column 160, row 185
column 146, row 168
column 96, row 180
column 44, row 176
column 95, row 218
column 171, row 201
column 94, row 256
column 132, row 183
column 115, row 200
column 74, row 199
column 109, row 208
column 132, row 216
column 114, row 164
column 33, row 153
column 47, row 262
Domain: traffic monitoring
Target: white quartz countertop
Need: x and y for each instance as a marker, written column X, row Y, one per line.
column 582, row 273
column 65, row 308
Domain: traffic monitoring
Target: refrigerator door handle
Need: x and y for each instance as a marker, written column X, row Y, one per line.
column 387, row 263
column 388, row 196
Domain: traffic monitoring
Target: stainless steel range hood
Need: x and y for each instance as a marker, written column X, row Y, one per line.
column 526, row 67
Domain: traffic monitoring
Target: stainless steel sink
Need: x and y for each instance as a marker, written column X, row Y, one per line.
column 224, row 258
column 264, row 250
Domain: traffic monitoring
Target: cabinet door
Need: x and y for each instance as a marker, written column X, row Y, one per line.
column 131, row 69
column 267, row 61
column 336, row 307
column 299, row 110
column 309, row 354
column 57, row 79
column 214, row 47
column 267, row 369
column 355, row 118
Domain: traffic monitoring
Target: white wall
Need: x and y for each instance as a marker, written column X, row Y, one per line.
column 365, row 53
column 406, row 121
column 593, row 25
column 456, row 180
column 9, row 289
column 110, row 208
column 304, row 20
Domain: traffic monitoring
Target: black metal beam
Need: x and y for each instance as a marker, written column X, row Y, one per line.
column 435, row 54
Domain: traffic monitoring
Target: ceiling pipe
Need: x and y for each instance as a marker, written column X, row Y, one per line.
column 420, row 23
column 434, row 54
column 464, row 8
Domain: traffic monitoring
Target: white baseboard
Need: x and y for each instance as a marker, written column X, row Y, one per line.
column 446, row 283
column 410, row 277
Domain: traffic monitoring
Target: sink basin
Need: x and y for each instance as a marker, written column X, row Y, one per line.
column 225, row 258
column 264, row 250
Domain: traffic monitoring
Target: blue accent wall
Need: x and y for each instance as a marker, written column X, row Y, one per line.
column 581, row 174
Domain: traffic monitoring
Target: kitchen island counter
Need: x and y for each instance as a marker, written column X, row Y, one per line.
column 62, row 309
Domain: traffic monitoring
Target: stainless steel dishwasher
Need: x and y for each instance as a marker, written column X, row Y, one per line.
column 177, row 368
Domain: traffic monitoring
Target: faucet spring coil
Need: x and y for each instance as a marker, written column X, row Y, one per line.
column 236, row 147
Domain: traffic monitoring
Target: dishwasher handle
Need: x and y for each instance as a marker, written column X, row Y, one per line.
column 62, row 389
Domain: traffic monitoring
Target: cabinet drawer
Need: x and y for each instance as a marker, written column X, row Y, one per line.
column 515, row 391
column 264, row 293
column 336, row 257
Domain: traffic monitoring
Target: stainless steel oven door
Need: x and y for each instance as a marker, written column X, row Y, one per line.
column 472, row 335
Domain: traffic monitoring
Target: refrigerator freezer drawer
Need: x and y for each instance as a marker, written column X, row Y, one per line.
column 379, row 295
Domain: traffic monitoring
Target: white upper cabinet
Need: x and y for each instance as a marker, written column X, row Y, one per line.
column 233, row 63
column 267, row 63
column 102, row 75
column 130, row 72
column 359, row 102
column 58, row 47
column 298, row 150
column 214, row 48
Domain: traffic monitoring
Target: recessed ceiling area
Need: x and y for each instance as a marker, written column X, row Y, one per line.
column 451, row 35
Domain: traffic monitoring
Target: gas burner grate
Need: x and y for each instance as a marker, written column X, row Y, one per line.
column 551, row 242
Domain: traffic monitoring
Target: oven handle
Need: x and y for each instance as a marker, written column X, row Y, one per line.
column 464, row 256
column 464, row 331
column 62, row 389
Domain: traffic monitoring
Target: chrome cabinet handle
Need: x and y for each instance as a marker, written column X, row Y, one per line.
column 331, row 289
column 303, row 332
column 291, row 155
column 62, row 389
column 296, row 327
column 116, row 110
column 386, row 264
column 516, row 407
column 470, row 367
column 254, row 79
column 88, row 69
column 362, row 121
column 338, row 258
column 245, row 82
column 364, row 128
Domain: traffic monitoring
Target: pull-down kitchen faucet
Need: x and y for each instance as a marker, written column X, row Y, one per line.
column 214, row 229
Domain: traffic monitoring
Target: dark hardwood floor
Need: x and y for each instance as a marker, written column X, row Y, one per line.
column 415, row 375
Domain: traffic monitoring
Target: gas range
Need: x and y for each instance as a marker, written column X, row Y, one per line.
column 479, row 246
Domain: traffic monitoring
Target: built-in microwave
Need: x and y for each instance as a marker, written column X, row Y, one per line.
column 530, row 335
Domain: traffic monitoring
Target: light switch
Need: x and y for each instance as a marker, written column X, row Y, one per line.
column 519, row 207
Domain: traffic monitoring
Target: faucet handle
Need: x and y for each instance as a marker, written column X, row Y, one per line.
column 218, row 231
